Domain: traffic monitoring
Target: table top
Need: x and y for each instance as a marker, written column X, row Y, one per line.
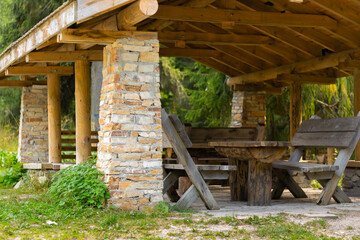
column 250, row 144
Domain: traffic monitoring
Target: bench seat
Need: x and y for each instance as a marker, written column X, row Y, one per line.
column 304, row 167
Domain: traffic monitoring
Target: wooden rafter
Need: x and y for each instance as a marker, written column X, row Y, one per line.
column 331, row 60
column 18, row 83
column 39, row 70
column 100, row 37
column 257, row 88
column 188, row 52
column 72, row 56
column 306, row 79
column 242, row 17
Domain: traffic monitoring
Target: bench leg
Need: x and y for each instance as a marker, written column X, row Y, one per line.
column 170, row 183
column 259, row 183
column 238, row 180
column 278, row 190
column 287, row 181
column 190, row 196
column 328, row 191
column 338, row 195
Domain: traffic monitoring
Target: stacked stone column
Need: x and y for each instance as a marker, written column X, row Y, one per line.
column 130, row 137
column 33, row 131
column 248, row 109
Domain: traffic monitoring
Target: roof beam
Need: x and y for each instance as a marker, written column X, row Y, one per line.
column 242, row 17
column 331, row 60
column 213, row 38
column 72, row 56
column 136, row 12
column 306, row 79
column 188, row 52
column 39, row 70
column 253, row 88
column 18, row 83
column 100, row 36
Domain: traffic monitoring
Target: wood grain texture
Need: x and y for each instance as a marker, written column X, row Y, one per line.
column 304, row 167
column 295, row 108
column 136, row 12
column 346, row 124
column 323, row 139
column 289, row 183
column 238, row 180
column 54, row 118
column 259, row 183
column 67, row 56
column 186, row 160
column 82, row 110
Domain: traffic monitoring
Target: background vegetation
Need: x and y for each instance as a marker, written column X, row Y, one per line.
column 197, row 94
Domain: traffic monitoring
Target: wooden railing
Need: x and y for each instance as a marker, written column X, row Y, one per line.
column 68, row 145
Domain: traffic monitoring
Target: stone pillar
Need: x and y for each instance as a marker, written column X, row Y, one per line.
column 33, row 130
column 130, row 137
column 248, row 109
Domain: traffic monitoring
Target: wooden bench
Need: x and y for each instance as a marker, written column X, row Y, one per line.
column 199, row 175
column 342, row 133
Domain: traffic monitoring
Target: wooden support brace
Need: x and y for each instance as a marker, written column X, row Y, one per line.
column 39, row 70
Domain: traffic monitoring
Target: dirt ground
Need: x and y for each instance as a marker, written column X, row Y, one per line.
column 343, row 220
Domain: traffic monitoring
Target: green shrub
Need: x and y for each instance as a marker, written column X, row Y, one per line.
column 79, row 185
column 10, row 169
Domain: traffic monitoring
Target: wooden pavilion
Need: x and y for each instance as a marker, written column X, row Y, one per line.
column 261, row 45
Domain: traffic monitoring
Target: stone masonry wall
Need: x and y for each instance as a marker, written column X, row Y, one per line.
column 33, row 131
column 248, row 109
column 351, row 181
column 130, row 137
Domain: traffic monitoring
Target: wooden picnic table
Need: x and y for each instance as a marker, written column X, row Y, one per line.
column 252, row 180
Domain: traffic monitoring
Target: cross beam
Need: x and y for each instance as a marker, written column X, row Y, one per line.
column 72, row 56
column 39, row 70
column 220, row 16
column 331, row 60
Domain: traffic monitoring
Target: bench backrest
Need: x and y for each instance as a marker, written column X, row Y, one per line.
column 336, row 132
column 205, row 135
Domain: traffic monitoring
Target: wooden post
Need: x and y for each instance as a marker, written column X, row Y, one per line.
column 238, row 180
column 259, row 183
column 82, row 110
column 54, row 118
column 357, row 105
column 295, row 108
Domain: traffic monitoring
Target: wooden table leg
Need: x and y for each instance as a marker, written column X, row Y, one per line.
column 238, row 180
column 259, row 183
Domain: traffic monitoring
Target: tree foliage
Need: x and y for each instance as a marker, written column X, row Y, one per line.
column 197, row 94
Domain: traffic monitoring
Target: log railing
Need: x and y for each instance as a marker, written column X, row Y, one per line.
column 68, row 145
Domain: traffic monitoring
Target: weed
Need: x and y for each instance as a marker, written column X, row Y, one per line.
column 79, row 185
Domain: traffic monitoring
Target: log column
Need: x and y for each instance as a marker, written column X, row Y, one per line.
column 357, row 104
column 54, row 118
column 295, row 108
column 82, row 110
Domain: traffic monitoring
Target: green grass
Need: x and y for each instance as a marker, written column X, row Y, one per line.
column 23, row 215
column 9, row 138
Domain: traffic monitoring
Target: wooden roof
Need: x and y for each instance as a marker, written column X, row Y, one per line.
column 265, row 44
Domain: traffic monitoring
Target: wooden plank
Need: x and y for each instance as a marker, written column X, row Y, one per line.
column 184, row 185
column 73, row 148
column 188, row 52
column 170, row 179
column 319, row 175
column 69, row 132
column 186, row 160
column 346, row 124
column 250, row 144
column 252, row 88
column 304, row 167
column 339, row 195
column 180, row 130
column 39, row 70
column 306, row 79
column 259, row 183
column 323, row 139
column 202, row 167
column 205, row 135
column 17, row 83
column 295, row 108
column 214, row 39
column 68, row 56
column 210, row 15
column 60, row 19
column 88, row 8
column 73, row 140
column 68, row 156
column 101, row 36
column 190, row 196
